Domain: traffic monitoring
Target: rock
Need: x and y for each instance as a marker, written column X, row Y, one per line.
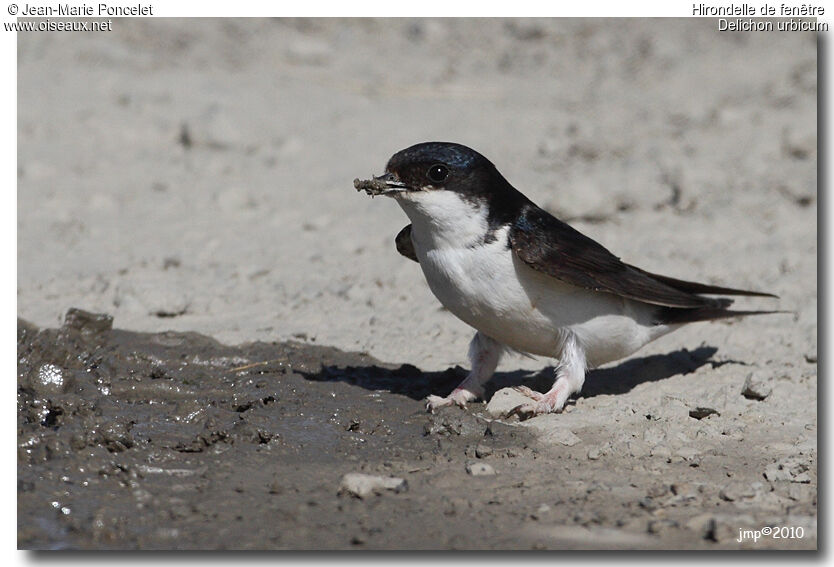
column 482, row 451
column 363, row 485
column 480, row 469
column 594, row 453
column 701, row 412
column 504, row 401
column 755, row 387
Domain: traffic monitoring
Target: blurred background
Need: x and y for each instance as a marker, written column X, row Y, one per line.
column 197, row 174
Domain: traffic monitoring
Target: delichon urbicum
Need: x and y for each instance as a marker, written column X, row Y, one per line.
column 524, row 279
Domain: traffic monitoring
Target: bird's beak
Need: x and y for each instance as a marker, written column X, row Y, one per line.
column 383, row 185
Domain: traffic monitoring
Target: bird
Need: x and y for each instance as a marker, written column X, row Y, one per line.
column 525, row 280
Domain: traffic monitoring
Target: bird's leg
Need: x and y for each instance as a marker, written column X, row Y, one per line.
column 484, row 354
column 570, row 376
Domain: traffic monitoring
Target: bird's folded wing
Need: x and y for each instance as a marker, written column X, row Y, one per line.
column 548, row 245
column 404, row 244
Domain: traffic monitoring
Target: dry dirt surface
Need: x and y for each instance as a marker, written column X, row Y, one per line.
column 191, row 180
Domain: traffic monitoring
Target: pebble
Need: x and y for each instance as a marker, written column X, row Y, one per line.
column 504, row 401
column 482, row 451
column 480, row 469
column 363, row 485
column 702, row 412
column 755, row 387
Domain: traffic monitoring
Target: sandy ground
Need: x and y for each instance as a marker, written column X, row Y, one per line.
column 195, row 176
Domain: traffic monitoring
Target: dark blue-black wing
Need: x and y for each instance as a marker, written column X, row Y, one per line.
column 550, row 246
column 404, row 244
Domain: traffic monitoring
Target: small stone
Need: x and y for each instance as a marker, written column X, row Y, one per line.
column 755, row 388
column 480, row 469
column 504, row 401
column 482, row 451
column 363, row 485
column 702, row 412
column 594, row 453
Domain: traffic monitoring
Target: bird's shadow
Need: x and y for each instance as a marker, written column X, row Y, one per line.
column 410, row 381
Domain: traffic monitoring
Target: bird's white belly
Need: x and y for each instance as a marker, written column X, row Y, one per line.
column 489, row 288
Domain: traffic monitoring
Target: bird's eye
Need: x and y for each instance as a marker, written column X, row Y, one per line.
column 438, row 173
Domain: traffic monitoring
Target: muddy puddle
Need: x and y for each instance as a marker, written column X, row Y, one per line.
column 174, row 441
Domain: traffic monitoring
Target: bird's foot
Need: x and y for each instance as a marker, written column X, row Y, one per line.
column 459, row 397
column 539, row 404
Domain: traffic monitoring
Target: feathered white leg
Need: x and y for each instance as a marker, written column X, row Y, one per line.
column 570, row 376
column 484, row 354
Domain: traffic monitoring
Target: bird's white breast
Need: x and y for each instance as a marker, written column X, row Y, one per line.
column 482, row 281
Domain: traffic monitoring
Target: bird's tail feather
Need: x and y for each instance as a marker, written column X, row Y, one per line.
column 695, row 287
column 671, row 316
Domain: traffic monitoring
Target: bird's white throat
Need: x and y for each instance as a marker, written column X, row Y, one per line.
column 443, row 219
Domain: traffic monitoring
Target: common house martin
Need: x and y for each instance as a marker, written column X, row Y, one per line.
column 525, row 280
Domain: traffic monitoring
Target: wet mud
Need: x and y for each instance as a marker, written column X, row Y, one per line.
column 171, row 440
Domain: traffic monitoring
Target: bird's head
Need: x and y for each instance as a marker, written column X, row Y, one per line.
column 446, row 186
column 431, row 167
